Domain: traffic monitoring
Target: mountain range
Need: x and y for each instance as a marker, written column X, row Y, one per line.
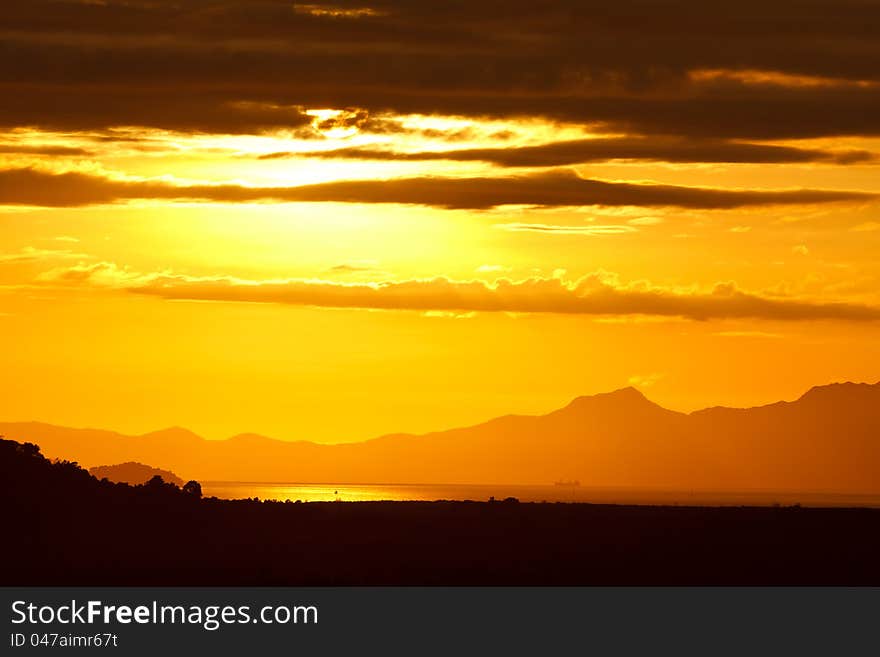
column 827, row 440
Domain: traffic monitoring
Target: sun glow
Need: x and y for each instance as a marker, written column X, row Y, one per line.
column 499, row 198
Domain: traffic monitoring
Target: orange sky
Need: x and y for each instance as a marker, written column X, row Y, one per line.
column 195, row 232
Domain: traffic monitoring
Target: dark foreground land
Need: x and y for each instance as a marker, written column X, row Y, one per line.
column 63, row 526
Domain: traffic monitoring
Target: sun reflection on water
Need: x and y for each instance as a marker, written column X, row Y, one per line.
column 329, row 492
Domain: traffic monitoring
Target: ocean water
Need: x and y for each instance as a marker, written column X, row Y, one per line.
column 329, row 492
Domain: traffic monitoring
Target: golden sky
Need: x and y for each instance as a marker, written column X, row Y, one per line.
column 329, row 222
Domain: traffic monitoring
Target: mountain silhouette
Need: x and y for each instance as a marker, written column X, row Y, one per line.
column 827, row 440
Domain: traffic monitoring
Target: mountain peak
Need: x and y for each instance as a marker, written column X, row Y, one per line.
column 173, row 433
column 628, row 392
column 628, row 397
column 841, row 390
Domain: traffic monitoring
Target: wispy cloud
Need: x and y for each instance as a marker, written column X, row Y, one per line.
column 355, row 267
column 749, row 334
column 599, row 293
column 600, row 149
column 646, row 380
column 32, row 254
column 614, row 229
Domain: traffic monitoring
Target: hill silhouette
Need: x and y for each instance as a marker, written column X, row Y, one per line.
column 827, row 440
column 72, row 529
column 133, row 473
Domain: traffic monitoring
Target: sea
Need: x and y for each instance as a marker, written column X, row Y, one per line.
column 332, row 492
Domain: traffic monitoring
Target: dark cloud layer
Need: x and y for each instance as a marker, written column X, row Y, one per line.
column 233, row 65
column 23, row 149
column 65, row 107
column 597, row 150
column 552, row 188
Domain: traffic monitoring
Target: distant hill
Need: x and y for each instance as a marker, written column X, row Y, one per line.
column 133, row 473
column 827, row 440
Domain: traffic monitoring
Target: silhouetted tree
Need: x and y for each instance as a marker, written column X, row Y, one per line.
column 193, row 488
column 142, row 528
column 29, row 449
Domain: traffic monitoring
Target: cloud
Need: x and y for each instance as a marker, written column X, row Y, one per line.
column 335, row 11
column 235, row 65
column 645, row 380
column 749, row 334
column 552, row 188
column 356, row 267
column 73, row 107
column 664, row 149
column 866, row 227
column 32, row 254
column 592, row 229
column 23, row 149
column 597, row 294
column 645, row 221
column 348, row 268
column 445, row 314
column 98, row 274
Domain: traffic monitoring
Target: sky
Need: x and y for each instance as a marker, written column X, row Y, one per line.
column 333, row 221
